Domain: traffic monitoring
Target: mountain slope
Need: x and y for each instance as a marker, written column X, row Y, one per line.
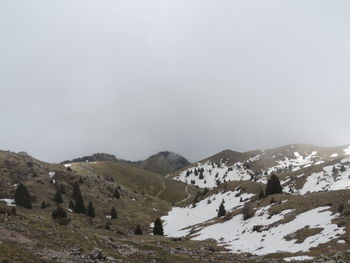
column 164, row 163
column 256, row 165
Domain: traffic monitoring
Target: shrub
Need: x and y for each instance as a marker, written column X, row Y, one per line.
column 248, row 211
column 138, row 230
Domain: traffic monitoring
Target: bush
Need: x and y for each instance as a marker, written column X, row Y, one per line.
column 248, row 211
column 59, row 212
column 138, row 230
column 341, row 208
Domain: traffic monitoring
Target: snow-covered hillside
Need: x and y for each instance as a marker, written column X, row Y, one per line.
column 209, row 174
column 180, row 218
column 262, row 234
column 240, row 236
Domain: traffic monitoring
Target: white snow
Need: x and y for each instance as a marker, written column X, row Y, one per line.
column 347, row 150
column 238, row 235
column 334, row 155
column 51, row 174
column 9, row 202
column 298, row 258
column 213, row 172
column 326, row 181
column 108, row 216
column 181, row 217
column 297, row 163
column 341, row 241
column 67, row 164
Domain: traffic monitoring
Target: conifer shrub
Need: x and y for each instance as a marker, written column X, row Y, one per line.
column 222, row 209
column 138, row 230
column 248, row 211
column 22, row 197
column 58, row 197
column 59, row 215
column 114, row 214
column 273, row 186
column 90, row 211
column 158, row 227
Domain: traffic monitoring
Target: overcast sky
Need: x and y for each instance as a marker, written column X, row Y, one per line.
column 192, row 76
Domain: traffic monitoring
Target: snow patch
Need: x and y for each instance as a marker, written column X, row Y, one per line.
column 9, row 202
column 239, row 235
column 298, row 258
column 182, row 217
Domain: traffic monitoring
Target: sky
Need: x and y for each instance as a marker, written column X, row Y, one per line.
column 134, row 77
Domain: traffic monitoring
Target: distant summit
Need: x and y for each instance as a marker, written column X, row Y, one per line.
column 164, row 163
column 96, row 157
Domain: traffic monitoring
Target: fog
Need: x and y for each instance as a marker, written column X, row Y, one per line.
column 196, row 77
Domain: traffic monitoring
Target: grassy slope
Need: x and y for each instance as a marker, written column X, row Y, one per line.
column 137, row 180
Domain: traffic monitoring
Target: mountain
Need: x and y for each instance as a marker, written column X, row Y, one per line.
column 258, row 165
column 310, row 220
column 164, row 163
column 93, row 158
column 161, row 163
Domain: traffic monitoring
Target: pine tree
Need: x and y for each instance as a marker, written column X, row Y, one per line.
column 261, row 194
column 158, row 227
column 22, row 197
column 79, row 206
column 116, row 193
column 138, row 230
column 62, row 189
column 59, row 212
column 273, row 186
column 90, row 211
column 71, row 205
column 222, row 210
column 58, row 197
column 114, row 213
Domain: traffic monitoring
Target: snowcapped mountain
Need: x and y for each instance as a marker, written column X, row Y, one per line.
column 258, row 165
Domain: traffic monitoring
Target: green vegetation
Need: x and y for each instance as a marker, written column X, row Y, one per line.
column 158, row 227
column 22, row 197
column 273, row 186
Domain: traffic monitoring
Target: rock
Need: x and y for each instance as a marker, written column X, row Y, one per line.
column 96, row 253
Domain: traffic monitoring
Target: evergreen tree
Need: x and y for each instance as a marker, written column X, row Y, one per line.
column 222, row 210
column 62, row 189
column 158, row 227
column 71, row 205
column 59, row 212
column 116, row 193
column 79, row 207
column 58, row 197
column 261, row 194
column 114, row 214
column 138, row 230
column 90, row 211
column 22, row 197
column 60, row 216
column 273, row 186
